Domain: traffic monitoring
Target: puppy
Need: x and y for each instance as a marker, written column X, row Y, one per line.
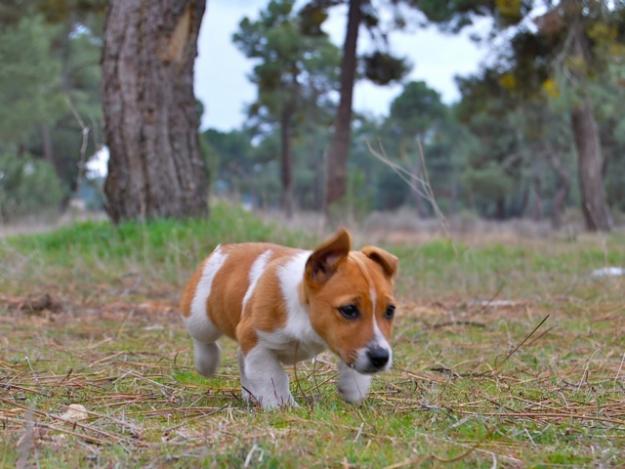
column 284, row 305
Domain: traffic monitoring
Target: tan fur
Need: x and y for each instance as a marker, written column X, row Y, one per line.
column 266, row 310
column 232, row 281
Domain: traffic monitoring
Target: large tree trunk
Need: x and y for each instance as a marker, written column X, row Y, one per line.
column 336, row 180
column 286, row 168
column 589, row 164
column 150, row 114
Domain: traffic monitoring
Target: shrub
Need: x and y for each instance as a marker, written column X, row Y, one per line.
column 27, row 187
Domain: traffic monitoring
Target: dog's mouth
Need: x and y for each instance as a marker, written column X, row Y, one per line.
column 367, row 368
column 366, row 371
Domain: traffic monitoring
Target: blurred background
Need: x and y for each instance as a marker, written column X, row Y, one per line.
column 403, row 114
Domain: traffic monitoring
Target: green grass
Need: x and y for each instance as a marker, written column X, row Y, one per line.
column 162, row 251
column 453, row 399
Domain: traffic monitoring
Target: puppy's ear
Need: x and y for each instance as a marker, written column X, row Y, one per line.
column 387, row 261
column 323, row 262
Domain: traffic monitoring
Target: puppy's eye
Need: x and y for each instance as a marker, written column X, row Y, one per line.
column 349, row 311
column 390, row 312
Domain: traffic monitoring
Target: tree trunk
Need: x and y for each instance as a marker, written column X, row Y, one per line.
column 586, row 135
column 589, row 164
column 286, row 168
column 536, row 209
column 150, row 114
column 48, row 149
column 336, row 180
column 500, row 209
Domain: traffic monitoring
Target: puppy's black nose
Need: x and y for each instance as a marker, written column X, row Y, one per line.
column 378, row 356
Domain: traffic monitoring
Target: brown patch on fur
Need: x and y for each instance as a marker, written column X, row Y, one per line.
column 231, row 281
column 246, row 336
column 325, row 259
column 265, row 310
column 387, row 260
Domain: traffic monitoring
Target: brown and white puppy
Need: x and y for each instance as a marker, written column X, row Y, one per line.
column 283, row 305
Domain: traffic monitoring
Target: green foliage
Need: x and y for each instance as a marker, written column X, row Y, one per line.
column 295, row 75
column 293, row 71
column 29, row 79
column 379, row 66
column 152, row 241
column 383, row 68
column 27, row 186
column 51, row 53
column 454, row 15
column 489, row 183
column 417, row 109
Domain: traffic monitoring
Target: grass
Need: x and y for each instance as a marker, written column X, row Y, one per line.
column 471, row 386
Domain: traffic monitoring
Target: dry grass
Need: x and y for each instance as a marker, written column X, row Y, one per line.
column 481, row 378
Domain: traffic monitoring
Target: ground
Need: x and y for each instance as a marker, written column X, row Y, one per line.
column 507, row 354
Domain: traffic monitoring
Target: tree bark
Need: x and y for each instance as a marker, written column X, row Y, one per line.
column 336, row 180
column 150, row 114
column 586, row 135
column 46, row 142
column 286, row 167
column 589, row 164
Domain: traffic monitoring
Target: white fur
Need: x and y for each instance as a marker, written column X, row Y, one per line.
column 245, row 384
column 200, row 327
column 266, row 379
column 206, row 357
column 352, row 386
column 362, row 360
column 297, row 340
column 258, row 267
column 381, row 341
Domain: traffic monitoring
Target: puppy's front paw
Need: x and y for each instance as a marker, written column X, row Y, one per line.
column 281, row 403
column 352, row 386
column 352, row 394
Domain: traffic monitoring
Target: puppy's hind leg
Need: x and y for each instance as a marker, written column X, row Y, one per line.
column 206, row 352
column 206, row 357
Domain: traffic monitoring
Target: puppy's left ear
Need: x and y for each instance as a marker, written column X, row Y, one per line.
column 387, row 261
column 323, row 262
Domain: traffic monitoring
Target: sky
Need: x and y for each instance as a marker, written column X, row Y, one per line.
column 221, row 71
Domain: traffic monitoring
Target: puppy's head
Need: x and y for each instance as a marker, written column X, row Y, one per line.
column 350, row 294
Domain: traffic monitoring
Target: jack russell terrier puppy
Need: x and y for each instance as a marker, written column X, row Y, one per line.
column 284, row 305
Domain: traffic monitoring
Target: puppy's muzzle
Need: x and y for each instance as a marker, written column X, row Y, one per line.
column 378, row 357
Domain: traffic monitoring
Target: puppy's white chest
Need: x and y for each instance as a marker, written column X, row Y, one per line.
column 295, row 351
column 289, row 349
